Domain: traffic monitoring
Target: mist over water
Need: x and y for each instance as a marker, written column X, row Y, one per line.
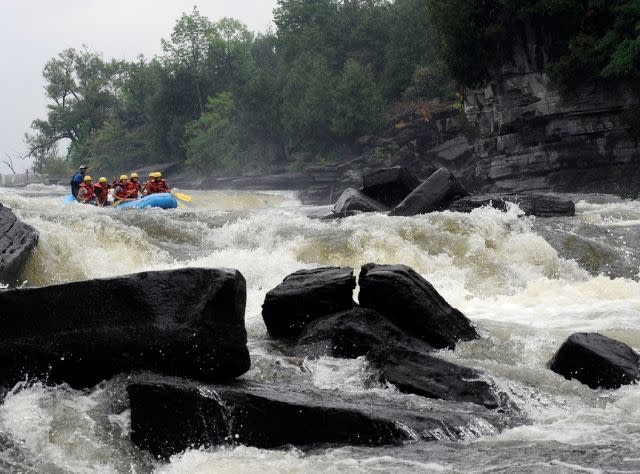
column 497, row 268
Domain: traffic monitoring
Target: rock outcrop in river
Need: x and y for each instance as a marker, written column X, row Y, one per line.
column 401, row 320
column 169, row 416
column 17, row 241
column 187, row 322
column 306, row 295
column 597, row 361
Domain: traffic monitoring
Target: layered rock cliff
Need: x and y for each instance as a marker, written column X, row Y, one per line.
column 533, row 135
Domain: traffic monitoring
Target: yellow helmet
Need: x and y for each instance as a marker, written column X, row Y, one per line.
column 103, row 179
column 158, row 174
column 134, row 175
column 152, row 175
column 123, row 176
column 87, row 178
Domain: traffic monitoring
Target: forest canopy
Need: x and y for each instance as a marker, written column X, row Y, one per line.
column 221, row 99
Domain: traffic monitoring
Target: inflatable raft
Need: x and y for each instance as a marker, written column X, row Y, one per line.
column 161, row 200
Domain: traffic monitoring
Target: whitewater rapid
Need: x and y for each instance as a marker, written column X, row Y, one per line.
column 496, row 267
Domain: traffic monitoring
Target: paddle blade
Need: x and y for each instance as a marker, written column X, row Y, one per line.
column 182, row 197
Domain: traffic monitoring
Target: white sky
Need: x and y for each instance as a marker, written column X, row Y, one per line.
column 33, row 31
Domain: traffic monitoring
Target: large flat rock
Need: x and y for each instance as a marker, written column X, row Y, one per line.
column 187, row 322
column 169, row 416
column 532, row 204
column 17, row 241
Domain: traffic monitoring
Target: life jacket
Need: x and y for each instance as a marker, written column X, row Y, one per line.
column 102, row 192
column 162, row 187
column 131, row 189
column 121, row 191
column 150, row 187
column 89, row 195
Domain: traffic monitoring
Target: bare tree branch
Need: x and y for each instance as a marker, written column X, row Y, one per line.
column 9, row 163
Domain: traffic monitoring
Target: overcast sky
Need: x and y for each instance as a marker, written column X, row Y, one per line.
column 33, row 31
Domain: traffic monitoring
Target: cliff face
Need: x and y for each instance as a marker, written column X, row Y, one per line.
column 532, row 135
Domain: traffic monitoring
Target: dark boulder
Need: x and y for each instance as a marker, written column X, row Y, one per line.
column 413, row 371
column 17, row 241
column 540, row 205
column 349, row 334
column 353, row 200
column 389, row 185
column 187, row 322
column 596, row 361
column 341, row 215
column 432, row 195
column 401, row 360
column 306, row 295
column 410, row 302
column 169, row 416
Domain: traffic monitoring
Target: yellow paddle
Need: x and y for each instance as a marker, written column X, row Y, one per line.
column 182, row 197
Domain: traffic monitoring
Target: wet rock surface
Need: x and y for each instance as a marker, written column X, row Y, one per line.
column 348, row 334
column 597, row 361
column 533, row 135
column 409, row 301
column 17, row 241
column 400, row 359
column 432, row 195
column 353, row 200
column 187, row 322
column 539, row 205
column 414, row 371
column 169, row 416
column 306, row 295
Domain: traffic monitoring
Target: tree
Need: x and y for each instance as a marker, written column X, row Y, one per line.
column 213, row 139
column 359, row 105
column 188, row 49
column 307, row 105
column 79, row 86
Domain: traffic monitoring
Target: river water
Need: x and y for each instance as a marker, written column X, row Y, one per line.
column 495, row 267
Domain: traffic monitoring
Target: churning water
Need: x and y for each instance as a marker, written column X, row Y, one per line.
column 498, row 268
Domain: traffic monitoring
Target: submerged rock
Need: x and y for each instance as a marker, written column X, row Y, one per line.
column 389, row 185
column 306, row 295
column 169, row 416
column 401, row 360
column 353, row 200
column 410, row 302
column 187, row 322
column 348, row 334
column 432, row 195
column 17, row 241
column 597, row 361
column 413, row 371
column 540, row 205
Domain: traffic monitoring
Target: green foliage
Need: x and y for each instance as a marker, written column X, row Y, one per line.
column 221, row 99
column 213, row 138
column 358, row 103
column 586, row 40
column 430, row 82
column 307, row 105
